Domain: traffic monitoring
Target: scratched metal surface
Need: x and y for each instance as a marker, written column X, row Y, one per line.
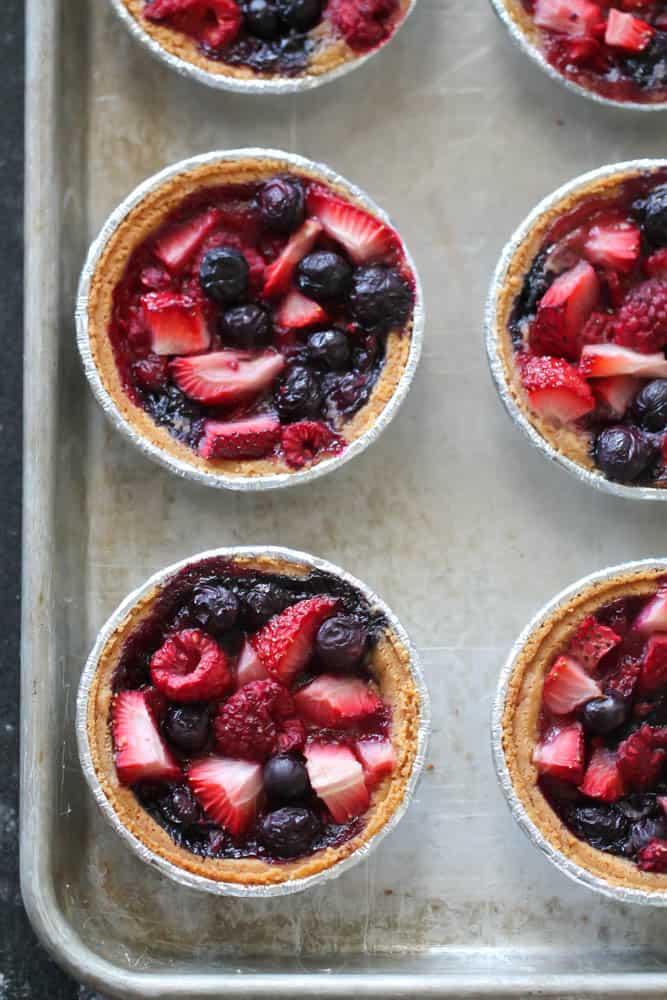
column 452, row 517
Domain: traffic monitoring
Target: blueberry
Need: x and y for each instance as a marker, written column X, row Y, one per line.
column 644, row 830
column 324, row 276
column 282, row 204
column 601, row 826
column 601, row 715
column 263, row 602
column 650, row 406
column 349, row 392
column 340, row 642
column 182, row 417
column 380, row 298
column 623, row 453
column 180, row 807
column 286, row 778
column 248, row 327
column 365, row 353
column 262, row 20
column 186, row 727
column 648, row 68
column 299, row 394
column 223, row 275
column 641, row 805
column 289, row 832
column 301, row 15
column 214, row 608
column 330, row 348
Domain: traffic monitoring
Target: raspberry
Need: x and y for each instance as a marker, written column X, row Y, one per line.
column 641, row 322
column 293, row 736
column 625, row 680
column 190, row 666
column 249, row 724
column 598, row 329
column 304, row 441
column 638, row 760
column 653, row 857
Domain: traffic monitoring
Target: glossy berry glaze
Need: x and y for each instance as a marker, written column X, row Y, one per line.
column 252, row 708
column 618, row 49
column 602, row 749
column 253, row 323
column 589, row 329
column 276, row 37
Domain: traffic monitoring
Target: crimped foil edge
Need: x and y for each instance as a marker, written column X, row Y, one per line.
column 253, row 85
column 566, row 865
column 492, row 333
column 198, row 882
column 533, row 51
column 153, row 451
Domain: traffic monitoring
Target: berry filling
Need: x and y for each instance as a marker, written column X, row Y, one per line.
column 589, row 329
column 275, row 36
column 253, row 323
column 617, row 48
column 245, row 716
column 602, row 750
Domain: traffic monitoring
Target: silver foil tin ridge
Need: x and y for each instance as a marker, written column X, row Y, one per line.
column 175, row 873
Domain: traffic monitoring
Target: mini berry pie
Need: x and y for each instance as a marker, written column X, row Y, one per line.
column 253, row 719
column 249, row 319
column 236, row 42
column 584, row 727
column 578, row 322
column 614, row 49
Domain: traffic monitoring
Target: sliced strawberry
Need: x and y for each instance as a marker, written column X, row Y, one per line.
column 615, row 246
column 602, row 779
column 336, row 701
column 179, row 242
column 656, row 265
column 296, row 311
column 624, row 31
column 377, row 758
column 567, row 686
column 285, row 644
column 562, row 312
column 576, row 18
column 176, row 323
column 223, row 378
column 141, row 754
column 228, row 791
column 602, row 360
column 654, row 664
column 190, row 666
column 337, row 778
column 364, row 237
column 616, row 392
column 251, row 438
column 560, row 754
column 250, row 667
column 653, row 617
column 555, row 389
column 278, row 276
column 591, row 642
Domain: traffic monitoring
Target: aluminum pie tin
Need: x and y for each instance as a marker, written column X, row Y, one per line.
column 565, row 864
column 534, row 52
column 251, row 85
column 185, row 469
column 591, row 477
column 176, row 873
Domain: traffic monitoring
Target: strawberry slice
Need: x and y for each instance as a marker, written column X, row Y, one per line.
column 141, row 754
column 615, row 246
column 251, row 438
column 591, row 642
column 364, row 237
column 555, row 389
column 278, row 276
column 285, row 644
column 226, row 377
column 181, row 241
column 560, row 754
column 625, row 31
column 653, row 617
column 602, row 779
column 602, row 360
column 576, row 18
column 337, row 778
column 562, row 312
column 296, row 312
column 616, row 392
column 175, row 322
column 228, row 790
column 377, row 759
column 336, row 701
column 250, row 667
column 654, row 664
column 567, row 686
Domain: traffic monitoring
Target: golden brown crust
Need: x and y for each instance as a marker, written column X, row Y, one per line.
column 329, row 53
column 137, row 226
column 521, row 716
column 391, row 670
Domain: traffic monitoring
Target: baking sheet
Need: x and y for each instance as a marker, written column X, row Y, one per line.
column 451, row 516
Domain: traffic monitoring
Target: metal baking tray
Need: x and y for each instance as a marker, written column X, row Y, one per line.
column 451, row 517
